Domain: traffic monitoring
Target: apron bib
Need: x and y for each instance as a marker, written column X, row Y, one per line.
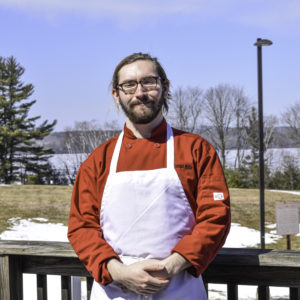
column 144, row 214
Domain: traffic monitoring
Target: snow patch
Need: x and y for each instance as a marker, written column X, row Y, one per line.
column 284, row 191
column 242, row 237
column 35, row 229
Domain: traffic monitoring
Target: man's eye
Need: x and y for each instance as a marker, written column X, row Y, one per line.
column 149, row 80
column 129, row 84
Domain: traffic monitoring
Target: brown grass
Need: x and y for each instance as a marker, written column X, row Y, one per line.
column 53, row 203
column 31, row 201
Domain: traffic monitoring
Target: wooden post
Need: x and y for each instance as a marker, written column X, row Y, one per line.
column 89, row 284
column 263, row 292
column 11, row 278
column 4, row 279
column 294, row 293
column 232, row 292
column 66, row 288
column 41, row 287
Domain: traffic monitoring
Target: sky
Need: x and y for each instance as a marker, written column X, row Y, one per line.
column 70, row 48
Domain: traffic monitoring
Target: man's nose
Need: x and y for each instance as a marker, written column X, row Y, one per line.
column 140, row 91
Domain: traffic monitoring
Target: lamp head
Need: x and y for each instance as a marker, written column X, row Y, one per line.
column 263, row 42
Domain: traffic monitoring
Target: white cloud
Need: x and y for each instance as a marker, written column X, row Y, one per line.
column 269, row 14
column 127, row 13
column 277, row 15
column 115, row 7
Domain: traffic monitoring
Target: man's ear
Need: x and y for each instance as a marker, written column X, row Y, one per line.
column 166, row 88
column 115, row 94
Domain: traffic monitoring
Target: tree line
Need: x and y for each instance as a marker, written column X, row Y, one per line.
column 223, row 115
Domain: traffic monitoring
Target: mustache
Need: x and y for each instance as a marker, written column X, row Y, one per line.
column 144, row 99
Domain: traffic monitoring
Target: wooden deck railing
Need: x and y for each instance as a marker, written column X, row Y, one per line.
column 232, row 267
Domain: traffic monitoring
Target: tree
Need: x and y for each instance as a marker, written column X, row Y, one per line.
column 241, row 111
column 219, row 114
column 20, row 155
column 82, row 139
column 185, row 108
column 238, row 177
column 291, row 117
column 291, row 172
column 288, row 176
column 253, row 132
column 251, row 161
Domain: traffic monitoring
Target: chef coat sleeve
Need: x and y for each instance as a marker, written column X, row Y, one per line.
column 212, row 212
column 84, row 232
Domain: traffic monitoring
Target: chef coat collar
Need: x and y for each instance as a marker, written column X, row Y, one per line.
column 157, row 134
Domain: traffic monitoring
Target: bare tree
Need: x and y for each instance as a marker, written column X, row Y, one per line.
column 185, row 108
column 270, row 123
column 219, row 115
column 291, row 117
column 82, row 139
column 241, row 108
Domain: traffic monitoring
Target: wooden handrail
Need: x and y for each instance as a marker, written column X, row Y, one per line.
column 240, row 256
column 232, row 266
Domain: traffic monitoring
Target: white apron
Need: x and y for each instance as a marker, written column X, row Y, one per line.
column 143, row 215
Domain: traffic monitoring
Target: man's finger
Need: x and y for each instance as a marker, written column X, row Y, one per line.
column 156, row 282
column 159, row 274
column 154, row 267
column 151, row 289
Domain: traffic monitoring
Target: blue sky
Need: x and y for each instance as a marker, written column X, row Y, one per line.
column 70, row 49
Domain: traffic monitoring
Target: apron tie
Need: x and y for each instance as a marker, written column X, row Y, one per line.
column 140, row 297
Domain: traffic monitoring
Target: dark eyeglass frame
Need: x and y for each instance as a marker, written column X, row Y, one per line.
column 120, row 86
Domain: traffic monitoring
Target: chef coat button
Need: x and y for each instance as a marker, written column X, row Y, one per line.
column 157, row 145
column 128, row 146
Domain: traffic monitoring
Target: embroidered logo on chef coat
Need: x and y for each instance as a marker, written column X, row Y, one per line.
column 187, row 167
column 218, row 196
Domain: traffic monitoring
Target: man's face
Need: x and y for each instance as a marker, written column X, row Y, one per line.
column 142, row 106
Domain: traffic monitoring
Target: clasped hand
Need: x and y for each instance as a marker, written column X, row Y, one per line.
column 148, row 276
column 144, row 277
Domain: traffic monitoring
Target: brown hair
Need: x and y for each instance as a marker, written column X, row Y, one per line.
column 141, row 56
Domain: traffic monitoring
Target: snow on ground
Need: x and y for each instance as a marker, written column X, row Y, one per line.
column 283, row 191
column 41, row 229
column 242, row 237
column 35, row 229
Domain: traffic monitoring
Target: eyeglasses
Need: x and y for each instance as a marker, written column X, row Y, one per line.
column 147, row 83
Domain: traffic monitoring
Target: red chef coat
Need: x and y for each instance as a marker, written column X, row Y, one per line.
column 200, row 172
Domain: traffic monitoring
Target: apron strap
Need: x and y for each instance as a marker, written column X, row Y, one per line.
column 170, row 147
column 115, row 157
column 170, row 151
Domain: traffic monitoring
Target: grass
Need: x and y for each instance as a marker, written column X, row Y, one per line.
column 245, row 211
column 53, row 202
column 31, row 201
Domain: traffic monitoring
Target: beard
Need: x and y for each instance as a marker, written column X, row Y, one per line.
column 142, row 114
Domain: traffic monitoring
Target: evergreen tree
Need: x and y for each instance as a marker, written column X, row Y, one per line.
column 20, row 154
column 251, row 162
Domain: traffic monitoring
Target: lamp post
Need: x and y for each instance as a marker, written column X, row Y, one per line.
column 259, row 43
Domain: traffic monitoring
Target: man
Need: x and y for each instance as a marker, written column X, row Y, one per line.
column 150, row 208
